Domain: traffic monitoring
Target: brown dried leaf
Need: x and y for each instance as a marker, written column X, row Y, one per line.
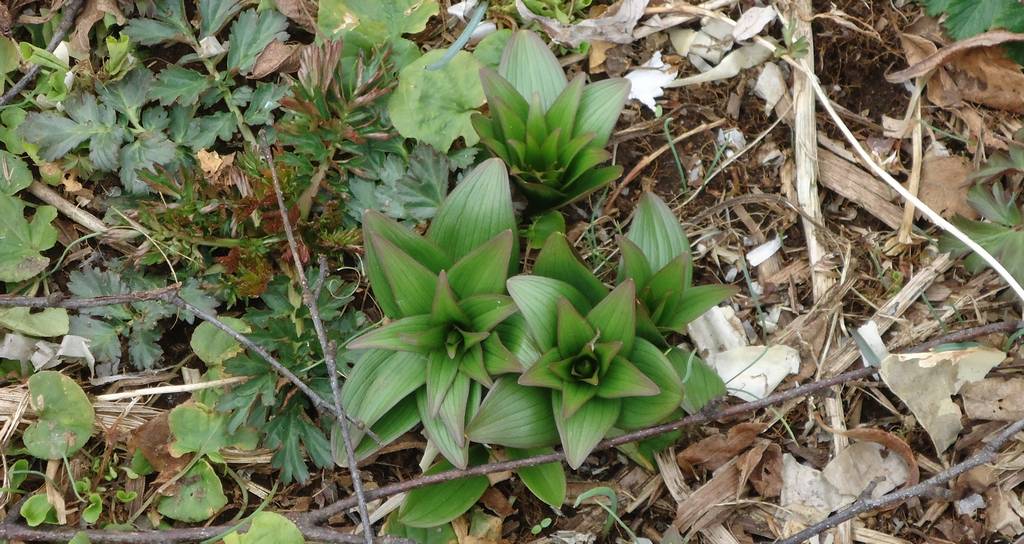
column 944, row 56
column 717, row 450
column 92, row 13
column 278, row 57
column 153, row 439
column 994, row 399
column 944, row 185
column 766, row 475
column 303, row 12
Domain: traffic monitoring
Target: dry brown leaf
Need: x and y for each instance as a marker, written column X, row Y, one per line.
column 943, row 56
column 92, row 13
column 303, row 12
column 944, row 185
column 278, row 57
column 496, row 502
column 995, row 399
column 153, row 439
column 598, row 54
column 766, row 476
column 717, row 450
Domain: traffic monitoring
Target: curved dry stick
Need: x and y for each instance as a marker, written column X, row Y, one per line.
column 70, row 14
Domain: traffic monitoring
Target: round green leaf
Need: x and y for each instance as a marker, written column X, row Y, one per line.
column 214, row 346
column 65, row 416
column 267, row 528
column 200, row 496
column 37, row 509
column 434, row 106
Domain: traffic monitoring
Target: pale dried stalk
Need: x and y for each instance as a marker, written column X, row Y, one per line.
column 914, row 184
column 805, row 149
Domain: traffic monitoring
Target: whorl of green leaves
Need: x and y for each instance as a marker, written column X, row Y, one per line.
column 445, row 293
column 549, row 131
column 656, row 257
column 1001, row 234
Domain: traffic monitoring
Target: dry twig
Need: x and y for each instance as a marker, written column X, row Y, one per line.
column 309, row 298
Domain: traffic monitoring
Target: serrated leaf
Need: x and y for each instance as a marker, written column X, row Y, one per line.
column 547, row 481
column 214, row 14
column 14, row 174
column 179, row 85
column 422, row 507
column 168, row 24
column 435, row 106
column 265, row 99
column 149, row 150
column 104, row 342
column 200, row 496
column 57, row 135
column 250, row 34
column 21, row 241
column 379, row 21
column 970, row 17
column 128, row 95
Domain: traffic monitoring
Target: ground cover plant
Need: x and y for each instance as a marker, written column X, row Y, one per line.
column 554, row 271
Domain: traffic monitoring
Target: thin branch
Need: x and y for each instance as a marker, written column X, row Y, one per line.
column 985, row 455
column 707, row 415
column 973, row 332
column 170, row 295
column 70, row 14
column 309, row 297
column 10, row 531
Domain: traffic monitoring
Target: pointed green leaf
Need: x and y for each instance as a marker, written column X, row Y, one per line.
column 422, row 250
column 591, row 180
column 694, row 302
column 542, row 227
column 642, row 411
column 588, row 426
column 515, row 336
column 585, row 162
column 486, row 311
column 664, row 289
column 445, row 308
column 562, row 113
column 547, row 481
column 573, row 330
column 540, row 374
column 600, row 106
column 409, row 282
column 633, row 264
column 701, row 384
column 437, row 432
column 441, row 372
column 623, row 379
column 497, row 358
column 477, row 210
column 576, row 395
column 483, row 271
column 537, row 298
column 515, row 416
column 417, row 334
column 453, row 408
column 422, row 507
column 531, row 68
column 615, row 316
column 557, row 260
column 657, row 232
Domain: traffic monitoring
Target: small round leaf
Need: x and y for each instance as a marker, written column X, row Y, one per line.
column 65, row 416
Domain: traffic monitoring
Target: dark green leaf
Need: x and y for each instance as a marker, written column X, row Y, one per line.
column 200, row 496
column 214, row 14
column 483, row 271
column 537, row 298
column 64, row 416
column 250, row 34
column 642, row 411
column 615, row 316
column 587, row 426
column 22, row 242
column 179, row 85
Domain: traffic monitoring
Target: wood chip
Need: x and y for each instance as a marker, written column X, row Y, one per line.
column 865, row 190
